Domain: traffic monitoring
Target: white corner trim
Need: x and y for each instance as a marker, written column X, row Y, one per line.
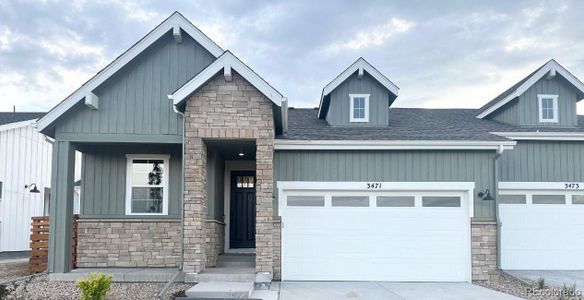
column 230, row 61
column 554, row 98
column 551, row 66
column 175, row 20
column 546, row 136
column 352, row 118
column 282, row 144
column 15, row 125
column 92, row 101
column 517, row 185
column 165, row 183
column 358, row 66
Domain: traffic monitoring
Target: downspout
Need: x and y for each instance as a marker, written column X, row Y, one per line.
column 182, row 189
column 496, row 192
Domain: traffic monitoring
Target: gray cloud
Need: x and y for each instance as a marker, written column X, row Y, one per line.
column 441, row 54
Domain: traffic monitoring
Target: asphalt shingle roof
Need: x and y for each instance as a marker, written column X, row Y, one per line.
column 14, row 117
column 409, row 124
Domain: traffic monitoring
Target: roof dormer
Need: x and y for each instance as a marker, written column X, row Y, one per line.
column 359, row 96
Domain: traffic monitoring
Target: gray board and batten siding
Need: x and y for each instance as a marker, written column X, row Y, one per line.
column 379, row 100
column 524, row 110
column 386, row 166
column 103, row 180
column 134, row 101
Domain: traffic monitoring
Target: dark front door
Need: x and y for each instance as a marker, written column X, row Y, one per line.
column 242, row 210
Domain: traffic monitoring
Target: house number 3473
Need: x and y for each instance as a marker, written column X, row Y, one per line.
column 373, row 185
column 571, row 186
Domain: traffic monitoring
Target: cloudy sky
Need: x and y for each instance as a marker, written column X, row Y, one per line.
column 452, row 54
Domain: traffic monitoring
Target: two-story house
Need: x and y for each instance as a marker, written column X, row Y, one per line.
column 189, row 154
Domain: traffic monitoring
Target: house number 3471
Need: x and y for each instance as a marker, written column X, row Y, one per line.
column 373, row 185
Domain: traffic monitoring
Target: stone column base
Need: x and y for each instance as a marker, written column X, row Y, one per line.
column 484, row 250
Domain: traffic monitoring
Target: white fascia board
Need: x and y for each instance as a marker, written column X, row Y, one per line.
column 359, row 65
column 280, row 144
column 551, row 67
column 545, row 136
column 227, row 60
column 17, row 125
column 175, row 20
column 389, row 186
column 526, row 186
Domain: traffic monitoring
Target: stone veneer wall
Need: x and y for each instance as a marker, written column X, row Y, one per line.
column 484, row 250
column 128, row 243
column 227, row 110
column 277, row 239
column 215, row 241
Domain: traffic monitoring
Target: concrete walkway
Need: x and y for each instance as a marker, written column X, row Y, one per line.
column 555, row 278
column 385, row 290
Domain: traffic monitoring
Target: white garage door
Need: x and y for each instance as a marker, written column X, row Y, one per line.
column 376, row 236
column 542, row 230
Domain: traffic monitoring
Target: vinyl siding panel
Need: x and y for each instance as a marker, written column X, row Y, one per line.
column 25, row 158
column 536, row 161
column 103, row 183
column 134, row 100
column 436, row 166
column 339, row 109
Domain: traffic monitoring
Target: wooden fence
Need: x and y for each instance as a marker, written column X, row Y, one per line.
column 39, row 244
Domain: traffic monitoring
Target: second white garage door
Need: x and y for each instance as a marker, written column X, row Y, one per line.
column 376, row 236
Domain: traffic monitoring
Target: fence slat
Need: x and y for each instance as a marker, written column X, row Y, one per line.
column 39, row 244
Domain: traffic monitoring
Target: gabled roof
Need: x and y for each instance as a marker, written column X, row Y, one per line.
column 360, row 65
column 225, row 62
column 174, row 22
column 520, row 87
column 11, row 120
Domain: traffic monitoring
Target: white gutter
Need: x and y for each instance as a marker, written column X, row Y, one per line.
column 282, row 144
column 547, row 136
column 18, row 124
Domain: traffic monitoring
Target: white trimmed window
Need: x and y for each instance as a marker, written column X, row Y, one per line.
column 548, row 108
column 359, row 107
column 147, row 184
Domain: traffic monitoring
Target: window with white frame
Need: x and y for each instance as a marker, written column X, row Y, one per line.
column 147, row 184
column 359, row 107
column 548, row 108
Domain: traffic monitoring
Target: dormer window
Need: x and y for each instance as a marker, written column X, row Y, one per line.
column 359, row 107
column 548, row 108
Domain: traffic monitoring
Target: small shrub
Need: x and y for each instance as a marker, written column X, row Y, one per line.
column 95, row 287
column 540, row 284
column 5, row 291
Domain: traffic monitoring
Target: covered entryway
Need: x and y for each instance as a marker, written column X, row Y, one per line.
column 542, row 226
column 375, row 231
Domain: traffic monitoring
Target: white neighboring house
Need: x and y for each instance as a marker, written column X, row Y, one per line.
column 25, row 159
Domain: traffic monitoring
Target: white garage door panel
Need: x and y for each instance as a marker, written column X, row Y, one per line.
column 542, row 236
column 371, row 243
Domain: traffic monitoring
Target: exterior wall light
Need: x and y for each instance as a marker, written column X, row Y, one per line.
column 32, row 189
column 486, row 195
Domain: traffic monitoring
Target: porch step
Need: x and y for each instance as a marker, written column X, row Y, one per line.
column 232, row 260
column 221, row 290
column 231, row 274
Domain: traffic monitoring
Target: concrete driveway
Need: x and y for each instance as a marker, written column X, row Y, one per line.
column 555, row 278
column 385, row 290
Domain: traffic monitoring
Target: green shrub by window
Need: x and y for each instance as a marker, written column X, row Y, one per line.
column 95, row 287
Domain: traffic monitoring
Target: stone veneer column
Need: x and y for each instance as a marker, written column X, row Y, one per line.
column 484, row 250
column 264, row 210
column 195, row 203
column 227, row 110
